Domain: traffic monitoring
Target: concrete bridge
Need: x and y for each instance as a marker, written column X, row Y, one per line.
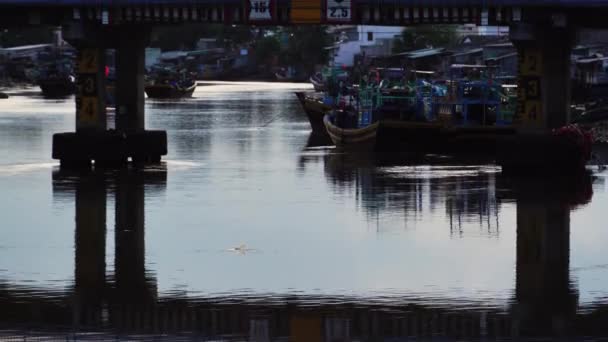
column 542, row 30
column 285, row 12
column 544, row 301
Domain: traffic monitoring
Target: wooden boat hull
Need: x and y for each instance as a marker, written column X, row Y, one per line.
column 355, row 138
column 315, row 111
column 409, row 136
column 163, row 91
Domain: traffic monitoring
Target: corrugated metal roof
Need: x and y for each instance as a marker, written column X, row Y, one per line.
column 468, row 52
column 425, row 53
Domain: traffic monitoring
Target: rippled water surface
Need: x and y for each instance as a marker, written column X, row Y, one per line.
column 253, row 229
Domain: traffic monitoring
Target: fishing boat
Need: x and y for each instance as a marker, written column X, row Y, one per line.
column 382, row 116
column 475, row 98
column 170, row 89
column 315, row 109
column 57, row 85
column 288, row 75
column 345, row 134
column 477, row 110
column 169, row 82
column 317, row 82
column 56, row 75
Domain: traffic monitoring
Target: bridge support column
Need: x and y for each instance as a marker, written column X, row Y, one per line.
column 91, row 141
column 130, row 99
column 544, row 92
column 144, row 146
column 544, row 76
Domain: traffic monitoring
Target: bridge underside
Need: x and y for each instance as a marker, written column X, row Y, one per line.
column 291, row 13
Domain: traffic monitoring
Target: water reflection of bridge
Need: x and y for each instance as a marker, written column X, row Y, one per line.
column 545, row 302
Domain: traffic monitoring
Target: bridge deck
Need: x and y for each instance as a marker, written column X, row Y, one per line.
column 427, row 3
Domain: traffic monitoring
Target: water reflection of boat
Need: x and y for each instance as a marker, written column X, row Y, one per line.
column 384, row 183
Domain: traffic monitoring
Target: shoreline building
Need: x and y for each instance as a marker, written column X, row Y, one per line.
column 361, row 40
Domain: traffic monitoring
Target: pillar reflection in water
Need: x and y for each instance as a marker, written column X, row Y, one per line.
column 90, row 246
column 544, row 304
column 546, row 299
column 131, row 283
column 130, row 273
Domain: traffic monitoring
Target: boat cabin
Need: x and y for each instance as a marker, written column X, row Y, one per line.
column 475, row 97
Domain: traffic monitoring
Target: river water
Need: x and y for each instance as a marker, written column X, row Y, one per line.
column 252, row 229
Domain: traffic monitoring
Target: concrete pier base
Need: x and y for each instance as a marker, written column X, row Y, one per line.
column 109, row 148
column 536, row 154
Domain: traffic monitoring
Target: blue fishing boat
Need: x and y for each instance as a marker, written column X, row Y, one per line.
column 474, row 98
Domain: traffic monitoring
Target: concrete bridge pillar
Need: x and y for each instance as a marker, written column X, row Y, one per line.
column 544, row 76
column 91, row 141
column 130, row 71
column 543, row 102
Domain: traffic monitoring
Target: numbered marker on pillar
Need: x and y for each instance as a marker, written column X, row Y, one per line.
column 339, row 10
column 260, row 10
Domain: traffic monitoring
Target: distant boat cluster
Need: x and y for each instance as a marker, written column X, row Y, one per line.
column 379, row 108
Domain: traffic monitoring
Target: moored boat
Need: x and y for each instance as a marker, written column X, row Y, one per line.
column 169, row 82
column 317, row 82
column 315, row 109
column 58, row 85
column 170, row 90
column 360, row 138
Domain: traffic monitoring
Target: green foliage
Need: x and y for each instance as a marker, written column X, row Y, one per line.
column 230, row 36
column 187, row 35
column 420, row 37
column 305, row 47
column 266, row 49
column 299, row 46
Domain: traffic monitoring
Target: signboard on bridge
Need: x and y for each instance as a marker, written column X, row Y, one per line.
column 339, row 11
column 306, row 11
column 260, row 10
